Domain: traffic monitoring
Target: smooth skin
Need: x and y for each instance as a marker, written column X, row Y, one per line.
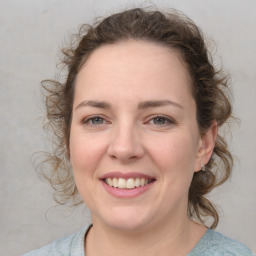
column 134, row 112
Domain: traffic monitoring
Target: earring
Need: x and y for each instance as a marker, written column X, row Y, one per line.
column 203, row 168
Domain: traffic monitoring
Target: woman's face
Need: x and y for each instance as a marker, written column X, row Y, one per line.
column 134, row 141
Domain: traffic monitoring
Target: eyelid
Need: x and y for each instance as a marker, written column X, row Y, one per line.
column 167, row 118
column 89, row 118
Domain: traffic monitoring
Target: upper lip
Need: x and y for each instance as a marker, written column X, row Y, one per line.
column 126, row 175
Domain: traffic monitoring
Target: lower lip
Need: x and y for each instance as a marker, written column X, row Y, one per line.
column 127, row 193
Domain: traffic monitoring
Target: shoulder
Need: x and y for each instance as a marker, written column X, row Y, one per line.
column 69, row 245
column 214, row 243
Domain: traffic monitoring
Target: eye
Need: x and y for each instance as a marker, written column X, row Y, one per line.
column 161, row 121
column 94, row 120
column 97, row 120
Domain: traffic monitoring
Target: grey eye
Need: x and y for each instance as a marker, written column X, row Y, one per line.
column 97, row 120
column 160, row 120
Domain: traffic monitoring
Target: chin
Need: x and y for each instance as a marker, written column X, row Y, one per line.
column 125, row 219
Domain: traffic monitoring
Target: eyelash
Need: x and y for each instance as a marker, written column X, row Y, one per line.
column 90, row 119
column 167, row 120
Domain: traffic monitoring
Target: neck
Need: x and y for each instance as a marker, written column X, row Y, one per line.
column 168, row 238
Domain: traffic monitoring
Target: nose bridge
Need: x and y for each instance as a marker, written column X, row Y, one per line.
column 125, row 141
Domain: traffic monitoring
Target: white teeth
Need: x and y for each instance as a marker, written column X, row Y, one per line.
column 130, row 183
column 126, row 184
column 114, row 183
column 109, row 181
column 137, row 182
column 121, row 183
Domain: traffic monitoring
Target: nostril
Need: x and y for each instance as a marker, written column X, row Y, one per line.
column 125, row 144
column 123, row 153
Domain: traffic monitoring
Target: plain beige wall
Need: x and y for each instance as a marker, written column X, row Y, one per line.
column 31, row 33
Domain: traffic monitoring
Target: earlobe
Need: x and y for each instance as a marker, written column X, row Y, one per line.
column 206, row 146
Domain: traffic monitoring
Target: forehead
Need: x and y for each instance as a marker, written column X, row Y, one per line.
column 132, row 52
column 134, row 66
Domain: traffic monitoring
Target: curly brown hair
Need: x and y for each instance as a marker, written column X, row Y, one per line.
column 209, row 88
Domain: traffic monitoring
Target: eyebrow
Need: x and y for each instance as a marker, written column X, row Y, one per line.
column 95, row 104
column 141, row 105
column 157, row 103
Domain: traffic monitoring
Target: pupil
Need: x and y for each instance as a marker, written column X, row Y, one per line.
column 97, row 120
column 159, row 120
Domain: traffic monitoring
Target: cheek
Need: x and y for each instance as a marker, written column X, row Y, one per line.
column 175, row 153
column 85, row 153
column 85, row 156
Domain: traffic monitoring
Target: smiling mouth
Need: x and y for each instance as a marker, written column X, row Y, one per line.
column 129, row 183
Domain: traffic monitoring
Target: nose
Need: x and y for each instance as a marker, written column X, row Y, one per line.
column 125, row 143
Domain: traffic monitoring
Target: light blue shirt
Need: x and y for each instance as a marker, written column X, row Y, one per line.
column 211, row 244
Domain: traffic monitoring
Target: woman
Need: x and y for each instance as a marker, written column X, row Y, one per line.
column 136, row 123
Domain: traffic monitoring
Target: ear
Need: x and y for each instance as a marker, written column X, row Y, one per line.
column 206, row 146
